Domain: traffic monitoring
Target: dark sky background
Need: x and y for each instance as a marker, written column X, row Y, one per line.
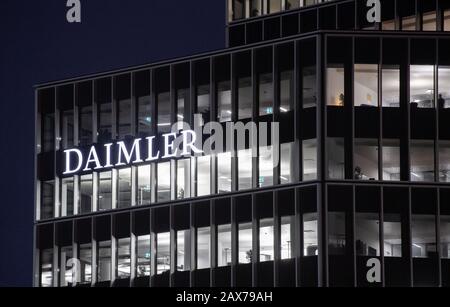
column 37, row 45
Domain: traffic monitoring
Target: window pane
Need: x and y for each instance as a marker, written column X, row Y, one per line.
column 86, row 263
column 47, row 268
column 123, row 258
column 245, row 243
column 255, row 8
column 163, row 252
column 310, row 229
column 366, row 159
column 336, row 160
column 224, row 101
column 224, row 172
column 184, row 178
column 447, row 20
column 203, row 175
column 309, row 160
column 423, row 236
column 391, row 87
column 286, row 91
column 104, row 97
column 286, row 163
column 238, row 9
column 245, row 97
column 367, row 234
column 292, row 4
column 265, row 166
column 143, row 256
column 309, row 81
column 445, row 236
column 422, row 160
column 144, row 186
column 183, row 105
column 409, row 23
column 48, row 132
column 265, row 94
column 67, row 128
column 183, row 250
column 429, row 21
column 287, row 237
column 105, row 191
column 67, row 196
column 366, row 85
column 203, row 102
column 163, row 182
column 274, row 6
column 336, row 233
column 444, row 161
column 392, row 230
column 86, row 192
column 224, row 245
column 143, row 103
column 124, row 188
column 266, row 240
column 422, row 86
column 391, row 160
column 203, row 247
column 245, row 169
column 104, row 261
column 47, row 200
column 444, row 88
column 335, row 86
column 123, row 92
column 163, row 104
column 66, row 273
column 85, row 102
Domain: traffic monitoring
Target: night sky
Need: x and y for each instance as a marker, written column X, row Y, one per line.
column 37, row 45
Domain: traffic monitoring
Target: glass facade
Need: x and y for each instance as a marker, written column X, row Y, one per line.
column 358, row 172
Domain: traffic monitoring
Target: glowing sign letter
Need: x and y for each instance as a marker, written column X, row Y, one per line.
column 151, row 156
column 68, row 164
column 168, row 148
column 93, row 158
column 189, row 146
column 136, row 149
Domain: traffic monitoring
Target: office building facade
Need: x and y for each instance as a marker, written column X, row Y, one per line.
column 355, row 192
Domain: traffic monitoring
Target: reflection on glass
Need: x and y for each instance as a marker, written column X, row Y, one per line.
column 183, row 105
column 287, row 237
column 422, row 160
column 286, row 91
column 336, row 233
column 144, row 186
column 46, row 267
column 367, row 234
column 310, row 244
column 85, row 263
column 85, row 125
column 123, row 258
column 224, row 172
column 245, row 169
column 67, row 128
column 163, row 182
column 67, row 196
column 224, row 101
column 245, row 97
column 392, row 230
column 445, row 236
column 391, row 159
column 143, row 103
column 143, row 256
column 124, row 188
column 309, row 83
column 366, row 85
column 265, row 94
column 335, row 147
column 203, row 102
column 422, row 86
column 183, row 250
column 429, row 21
column 391, row 86
column 47, row 200
column 444, row 161
column 104, row 261
column 309, row 160
column 103, row 92
column 366, row 159
column 86, row 193
column 123, row 92
column 223, row 245
column 183, row 178
column 266, row 165
column 203, row 175
column 162, row 252
column 203, row 248
column 105, row 191
column 164, row 120
column 245, row 243
column 423, row 236
column 286, row 163
column 66, row 272
column 266, row 240
column 444, row 88
column 335, row 86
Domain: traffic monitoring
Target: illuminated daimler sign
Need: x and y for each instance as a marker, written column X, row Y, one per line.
column 141, row 150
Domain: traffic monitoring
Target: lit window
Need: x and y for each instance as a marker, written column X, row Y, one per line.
column 85, row 258
column 391, row 159
column 409, row 23
column 184, row 178
column 335, row 86
column 266, row 240
column 203, row 248
column 123, row 258
column 124, row 188
column 144, row 186
column 336, row 162
column 163, row 252
column 310, row 245
column 224, row 245
column 392, row 230
column 287, row 237
column 104, row 261
column 366, row 85
column 143, row 256
column 309, row 160
column 46, row 268
column 203, row 175
column 163, row 182
column 429, row 21
column 445, row 236
column 422, row 160
column 183, row 250
column 336, row 233
column 444, row 88
column 367, row 234
column 366, row 159
column 391, row 86
column 245, row 169
column 423, row 236
column 422, row 86
column 105, row 191
column 245, row 243
column 224, row 172
column 266, row 166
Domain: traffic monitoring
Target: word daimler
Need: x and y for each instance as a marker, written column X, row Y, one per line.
column 75, row 160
